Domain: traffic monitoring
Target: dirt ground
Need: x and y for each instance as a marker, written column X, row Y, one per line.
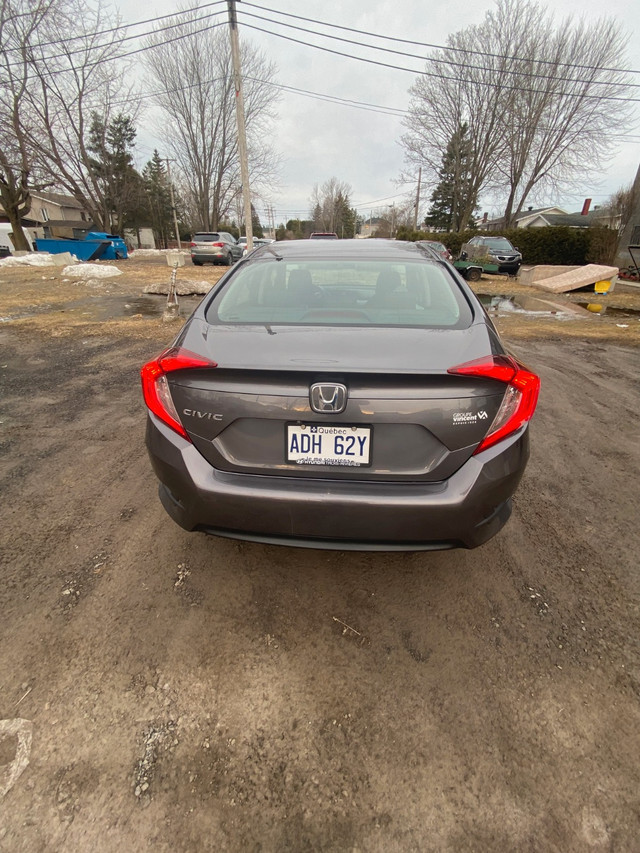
column 177, row 692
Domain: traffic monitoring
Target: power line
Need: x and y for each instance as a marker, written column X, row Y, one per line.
column 134, row 52
column 379, row 108
column 324, row 98
column 320, row 96
column 427, row 44
column 125, row 26
column 319, row 47
column 447, row 62
column 378, row 200
column 359, row 204
column 141, row 95
column 431, row 74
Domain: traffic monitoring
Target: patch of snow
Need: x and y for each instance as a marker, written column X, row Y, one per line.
column 183, row 288
column 152, row 253
column 87, row 271
column 33, row 259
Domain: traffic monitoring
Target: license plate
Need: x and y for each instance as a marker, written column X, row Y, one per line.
column 315, row 444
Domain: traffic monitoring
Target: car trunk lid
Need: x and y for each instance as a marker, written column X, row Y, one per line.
column 418, row 422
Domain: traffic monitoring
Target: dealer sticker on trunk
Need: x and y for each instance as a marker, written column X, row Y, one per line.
column 315, row 444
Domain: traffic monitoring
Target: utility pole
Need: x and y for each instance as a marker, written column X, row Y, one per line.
column 242, row 135
column 173, row 205
column 415, row 212
column 271, row 213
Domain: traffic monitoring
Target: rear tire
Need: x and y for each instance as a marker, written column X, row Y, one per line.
column 474, row 275
column 196, row 263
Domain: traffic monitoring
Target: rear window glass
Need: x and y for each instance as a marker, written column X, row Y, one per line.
column 500, row 243
column 356, row 293
column 206, row 238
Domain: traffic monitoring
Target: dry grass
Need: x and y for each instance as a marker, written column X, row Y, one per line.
column 39, row 298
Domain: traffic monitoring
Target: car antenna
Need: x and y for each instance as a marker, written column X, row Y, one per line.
column 274, row 253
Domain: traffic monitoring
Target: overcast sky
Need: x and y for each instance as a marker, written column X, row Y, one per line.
column 318, row 140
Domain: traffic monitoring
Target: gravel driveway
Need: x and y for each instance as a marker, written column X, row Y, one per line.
column 185, row 693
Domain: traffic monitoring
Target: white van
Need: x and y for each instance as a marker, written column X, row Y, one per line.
column 6, row 243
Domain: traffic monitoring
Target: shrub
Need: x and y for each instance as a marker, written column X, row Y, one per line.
column 557, row 245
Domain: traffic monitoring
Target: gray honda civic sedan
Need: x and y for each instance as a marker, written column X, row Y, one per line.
column 348, row 394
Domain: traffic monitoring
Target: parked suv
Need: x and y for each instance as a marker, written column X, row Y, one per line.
column 501, row 252
column 214, row 247
column 439, row 248
column 323, row 235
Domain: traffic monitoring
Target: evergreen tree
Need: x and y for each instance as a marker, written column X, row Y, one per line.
column 156, row 184
column 294, row 228
column 345, row 217
column 113, row 171
column 317, row 217
column 255, row 223
column 452, row 194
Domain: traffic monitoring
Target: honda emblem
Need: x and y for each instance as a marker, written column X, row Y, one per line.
column 328, row 397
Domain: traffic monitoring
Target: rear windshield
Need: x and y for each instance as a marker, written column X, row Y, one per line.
column 355, row 293
column 500, row 243
column 206, row 238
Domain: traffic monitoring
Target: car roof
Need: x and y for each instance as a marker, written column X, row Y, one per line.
column 367, row 249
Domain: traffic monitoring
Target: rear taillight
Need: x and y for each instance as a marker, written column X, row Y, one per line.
column 191, row 245
column 219, row 245
column 520, row 397
column 155, row 385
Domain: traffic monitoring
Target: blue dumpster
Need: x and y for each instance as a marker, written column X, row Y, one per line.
column 97, row 245
column 118, row 248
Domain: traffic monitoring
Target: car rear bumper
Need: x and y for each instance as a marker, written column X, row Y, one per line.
column 465, row 511
column 510, row 267
column 210, row 257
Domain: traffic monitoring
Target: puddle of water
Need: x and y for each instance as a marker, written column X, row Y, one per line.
column 112, row 307
column 530, row 306
column 596, row 308
column 105, row 307
column 43, row 308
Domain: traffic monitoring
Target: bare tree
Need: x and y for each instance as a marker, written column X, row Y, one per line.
column 78, row 78
column 193, row 74
column 328, row 204
column 20, row 21
column 538, row 101
column 568, row 91
column 448, row 96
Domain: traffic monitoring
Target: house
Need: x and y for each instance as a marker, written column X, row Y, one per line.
column 631, row 234
column 545, row 217
column 529, row 218
column 54, row 215
column 59, row 215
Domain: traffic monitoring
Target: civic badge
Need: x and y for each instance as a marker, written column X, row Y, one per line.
column 328, row 397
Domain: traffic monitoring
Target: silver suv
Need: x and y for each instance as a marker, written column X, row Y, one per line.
column 214, row 247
